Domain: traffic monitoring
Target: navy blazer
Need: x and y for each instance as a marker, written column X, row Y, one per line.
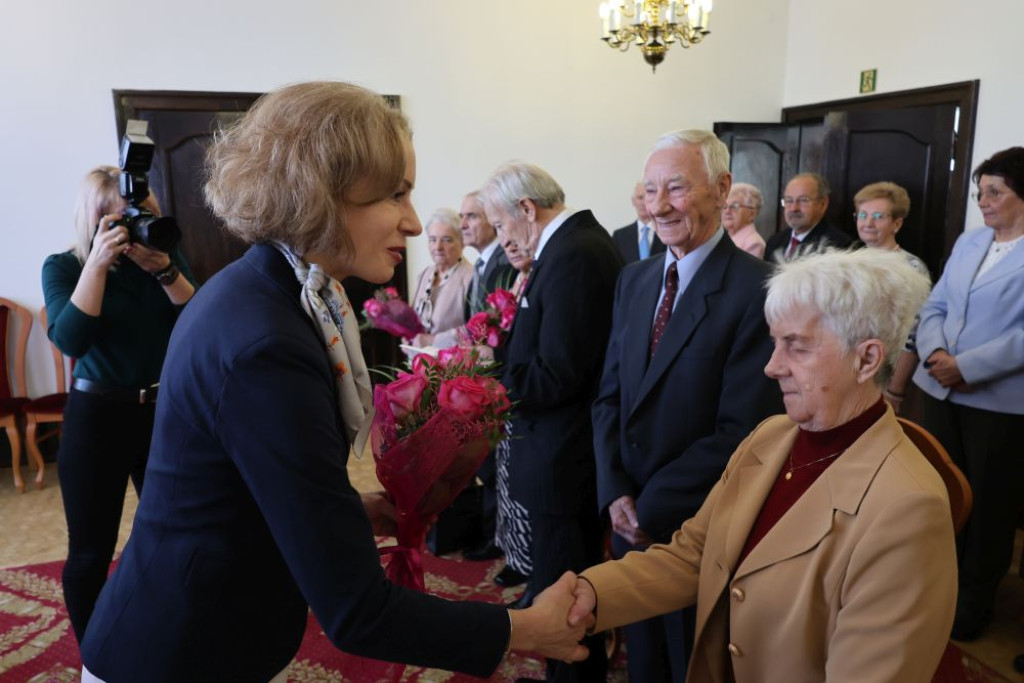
column 553, row 361
column 664, row 431
column 822, row 233
column 628, row 242
column 248, row 515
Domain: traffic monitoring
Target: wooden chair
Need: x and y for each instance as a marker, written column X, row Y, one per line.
column 15, row 323
column 960, row 497
column 46, row 409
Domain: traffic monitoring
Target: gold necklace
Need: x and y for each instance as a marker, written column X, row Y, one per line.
column 794, row 468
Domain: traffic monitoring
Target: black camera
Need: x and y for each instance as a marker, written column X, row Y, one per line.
column 144, row 227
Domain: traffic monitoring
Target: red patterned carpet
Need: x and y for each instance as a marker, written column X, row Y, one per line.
column 36, row 643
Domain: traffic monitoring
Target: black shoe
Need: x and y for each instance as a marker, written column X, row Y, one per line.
column 509, row 577
column 524, row 601
column 488, row 550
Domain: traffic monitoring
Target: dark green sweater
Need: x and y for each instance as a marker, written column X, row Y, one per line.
column 126, row 344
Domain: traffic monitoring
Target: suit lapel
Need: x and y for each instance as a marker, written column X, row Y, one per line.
column 1010, row 262
column 687, row 316
column 841, row 487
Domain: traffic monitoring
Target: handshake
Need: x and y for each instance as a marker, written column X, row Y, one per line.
column 557, row 621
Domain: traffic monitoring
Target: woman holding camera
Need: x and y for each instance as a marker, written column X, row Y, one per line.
column 111, row 303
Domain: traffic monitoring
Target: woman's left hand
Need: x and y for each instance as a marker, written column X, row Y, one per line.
column 150, row 260
column 944, row 369
column 382, row 513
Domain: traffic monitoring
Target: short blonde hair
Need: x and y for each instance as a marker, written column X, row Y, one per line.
column 285, row 171
column 896, row 195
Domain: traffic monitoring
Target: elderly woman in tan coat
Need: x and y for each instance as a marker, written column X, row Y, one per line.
column 825, row 551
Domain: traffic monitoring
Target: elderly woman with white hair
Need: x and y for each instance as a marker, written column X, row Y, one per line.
column 825, row 551
column 741, row 208
column 441, row 290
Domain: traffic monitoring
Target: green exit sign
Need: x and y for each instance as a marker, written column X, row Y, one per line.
column 868, row 80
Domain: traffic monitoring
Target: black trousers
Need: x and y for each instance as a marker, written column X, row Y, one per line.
column 562, row 543
column 659, row 648
column 103, row 443
column 989, row 448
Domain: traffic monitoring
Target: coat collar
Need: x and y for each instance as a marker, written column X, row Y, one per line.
column 841, row 487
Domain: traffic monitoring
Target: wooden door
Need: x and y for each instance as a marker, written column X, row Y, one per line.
column 911, row 147
column 766, row 155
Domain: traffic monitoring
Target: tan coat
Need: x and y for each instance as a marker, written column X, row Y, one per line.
column 856, row 582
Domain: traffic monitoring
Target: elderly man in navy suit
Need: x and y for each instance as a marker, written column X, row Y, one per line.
column 805, row 202
column 683, row 380
column 638, row 240
column 552, row 365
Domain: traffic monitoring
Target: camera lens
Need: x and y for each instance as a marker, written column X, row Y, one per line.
column 157, row 232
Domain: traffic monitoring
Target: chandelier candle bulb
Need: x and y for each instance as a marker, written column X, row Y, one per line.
column 638, row 13
column 670, row 13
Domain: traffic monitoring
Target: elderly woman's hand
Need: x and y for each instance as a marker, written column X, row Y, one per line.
column 944, row 369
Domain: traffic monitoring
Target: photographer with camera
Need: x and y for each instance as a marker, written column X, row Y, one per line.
column 111, row 302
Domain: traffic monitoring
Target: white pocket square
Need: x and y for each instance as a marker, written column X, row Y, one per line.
column 524, row 303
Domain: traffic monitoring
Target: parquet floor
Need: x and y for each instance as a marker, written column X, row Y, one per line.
column 32, row 530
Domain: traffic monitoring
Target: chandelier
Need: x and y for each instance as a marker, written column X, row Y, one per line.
column 654, row 25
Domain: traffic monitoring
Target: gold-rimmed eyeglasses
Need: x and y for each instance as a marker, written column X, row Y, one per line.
column 874, row 215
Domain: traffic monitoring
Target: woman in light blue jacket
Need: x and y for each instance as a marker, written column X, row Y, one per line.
column 971, row 341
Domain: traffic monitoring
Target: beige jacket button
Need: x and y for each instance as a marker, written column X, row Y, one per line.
column 738, row 594
column 735, row 651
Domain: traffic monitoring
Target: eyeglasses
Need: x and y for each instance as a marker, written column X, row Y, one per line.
column 736, row 206
column 875, row 215
column 991, row 194
column 802, row 201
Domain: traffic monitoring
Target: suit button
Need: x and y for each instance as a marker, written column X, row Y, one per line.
column 735, row 651
column 738, row 594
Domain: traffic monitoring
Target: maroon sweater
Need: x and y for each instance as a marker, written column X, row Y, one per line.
column 808, row 448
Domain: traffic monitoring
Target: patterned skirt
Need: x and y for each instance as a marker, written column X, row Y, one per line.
column 512, row 532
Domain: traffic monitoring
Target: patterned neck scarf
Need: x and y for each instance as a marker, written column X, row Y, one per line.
column 324, row 300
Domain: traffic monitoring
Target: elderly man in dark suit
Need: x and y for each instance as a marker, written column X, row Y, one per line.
column 491, row 271
column 552, row 363
column 805, row 202
column 683, row 380
column 638, row 240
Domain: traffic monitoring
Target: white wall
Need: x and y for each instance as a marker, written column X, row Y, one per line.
column 483, row 82
column 913, row 44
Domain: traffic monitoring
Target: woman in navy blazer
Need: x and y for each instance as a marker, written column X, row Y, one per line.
column 971, row 338
column 248, row 516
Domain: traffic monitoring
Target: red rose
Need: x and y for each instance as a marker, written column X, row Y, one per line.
column 468, row 398
column 404, row 394
column 454, row 356
column 391, row 292
column 423, row 362
column 477, row 326
column 502, row 300
column 372, row 307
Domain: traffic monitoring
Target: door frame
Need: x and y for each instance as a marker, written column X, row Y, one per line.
column 963, row 94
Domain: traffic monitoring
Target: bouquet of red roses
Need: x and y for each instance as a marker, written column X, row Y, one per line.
column 386, row 311
column 432, row 429
column 490, row 325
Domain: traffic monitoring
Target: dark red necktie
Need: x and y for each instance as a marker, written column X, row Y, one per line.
column 794, row 243
column 665, row 307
